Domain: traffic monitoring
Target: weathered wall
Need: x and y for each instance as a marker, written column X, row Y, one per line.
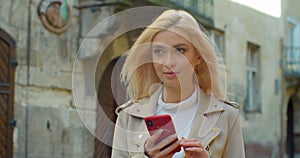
column 291, row 85
column 292, row 8
column 44, row 108
column 54, row 127
column 48, row 124
column 241, row 24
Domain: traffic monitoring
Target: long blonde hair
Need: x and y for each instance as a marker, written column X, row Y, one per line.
column 138, row 73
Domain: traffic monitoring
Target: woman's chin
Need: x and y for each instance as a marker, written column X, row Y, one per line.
column 171, row 83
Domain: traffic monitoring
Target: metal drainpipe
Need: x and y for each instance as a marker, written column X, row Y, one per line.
column 283, row 103
column 28, row 75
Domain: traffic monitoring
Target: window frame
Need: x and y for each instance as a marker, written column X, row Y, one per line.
column 253, row 74
column 220, row 35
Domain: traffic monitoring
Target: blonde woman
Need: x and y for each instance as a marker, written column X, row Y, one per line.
column 173, row 69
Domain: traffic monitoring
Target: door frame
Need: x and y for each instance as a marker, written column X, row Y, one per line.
column 290, row 146
column 8, row 89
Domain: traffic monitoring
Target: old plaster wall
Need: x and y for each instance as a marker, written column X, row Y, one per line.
column 262, row 130
column 48, row 124
column 291, row 85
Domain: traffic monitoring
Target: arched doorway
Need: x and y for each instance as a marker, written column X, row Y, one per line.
column 7, row 81
column 109, row 85
column 293, row 128
column 290, row 130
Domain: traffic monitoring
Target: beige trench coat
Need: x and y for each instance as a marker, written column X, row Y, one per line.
column 216, row 126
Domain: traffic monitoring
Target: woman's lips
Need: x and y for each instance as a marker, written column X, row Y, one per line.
column 170, row 74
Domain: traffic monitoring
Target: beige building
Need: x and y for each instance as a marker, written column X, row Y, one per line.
column 262, row 57
column 291, row 75
column 53, row 72
column 252, row 54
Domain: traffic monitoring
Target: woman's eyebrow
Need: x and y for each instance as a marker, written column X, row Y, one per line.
column 156, row 45
column 179, row 45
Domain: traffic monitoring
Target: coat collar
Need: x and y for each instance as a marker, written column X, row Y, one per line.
column 204, row 125
column 147, row 106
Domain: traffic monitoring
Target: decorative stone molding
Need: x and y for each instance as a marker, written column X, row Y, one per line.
column 55, row 15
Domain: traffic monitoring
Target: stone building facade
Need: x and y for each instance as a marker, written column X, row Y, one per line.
column 55, row 118
column 47, row 123
column 252, row 54
column 291, row 75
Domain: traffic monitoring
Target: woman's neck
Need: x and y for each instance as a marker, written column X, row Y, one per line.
column 177, row 94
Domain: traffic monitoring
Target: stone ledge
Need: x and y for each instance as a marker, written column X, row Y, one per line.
column 49, row 79
column 42, row 97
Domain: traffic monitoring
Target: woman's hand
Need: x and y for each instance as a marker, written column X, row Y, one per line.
column 162, row 149
column 193, row 148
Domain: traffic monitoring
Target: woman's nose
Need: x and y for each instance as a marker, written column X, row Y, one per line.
column 170, row 60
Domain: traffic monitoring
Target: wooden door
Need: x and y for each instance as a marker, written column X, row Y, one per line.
column 7, row 70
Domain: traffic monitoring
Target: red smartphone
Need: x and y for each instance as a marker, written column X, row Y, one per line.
column 164, row 122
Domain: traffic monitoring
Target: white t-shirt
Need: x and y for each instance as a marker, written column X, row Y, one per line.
column 182, row 114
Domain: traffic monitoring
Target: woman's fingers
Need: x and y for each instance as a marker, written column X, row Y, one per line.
column 168, row 152
column 150, row 144
column 193, row 148
column 163, row 148
column 153, row 139
column 167, row 141
column 194, row 152
column 191, row 144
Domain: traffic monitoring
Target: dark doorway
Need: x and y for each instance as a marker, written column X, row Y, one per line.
column 290, row 130
column 111, row 93
column 7, row 77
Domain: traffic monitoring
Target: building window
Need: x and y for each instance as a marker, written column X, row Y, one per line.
column 292, row 48
column 218, row 37
column 291, row 34
column 253, row 101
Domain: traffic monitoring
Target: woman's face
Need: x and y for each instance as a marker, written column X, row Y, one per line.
column 174, row 58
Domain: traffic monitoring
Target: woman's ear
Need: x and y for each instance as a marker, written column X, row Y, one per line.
column 199, row 60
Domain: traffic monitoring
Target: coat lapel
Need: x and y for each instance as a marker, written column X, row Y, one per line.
column 147, row 106
column 204, row 126
column 141, row 109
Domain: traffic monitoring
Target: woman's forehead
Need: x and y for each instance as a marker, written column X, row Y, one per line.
column 171, row 36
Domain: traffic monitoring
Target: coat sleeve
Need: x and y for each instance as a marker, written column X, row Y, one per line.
column 119, row 147
column 234, row 147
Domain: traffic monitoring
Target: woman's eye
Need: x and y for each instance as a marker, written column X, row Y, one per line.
column 157, row 51
column 180, row 50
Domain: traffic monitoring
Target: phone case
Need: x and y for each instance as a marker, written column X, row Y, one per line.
column 156, row 122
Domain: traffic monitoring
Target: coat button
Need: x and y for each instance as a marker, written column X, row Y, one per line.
column 138, row 110
column 131, row 155
column 214, row 130
column 139, row 147
column 140, row 136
